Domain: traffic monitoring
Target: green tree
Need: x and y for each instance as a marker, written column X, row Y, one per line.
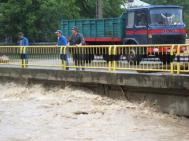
column 38, row 19
column 111, row 8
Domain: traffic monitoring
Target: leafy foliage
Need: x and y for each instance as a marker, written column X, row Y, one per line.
column 38, row 19
column 111, row 8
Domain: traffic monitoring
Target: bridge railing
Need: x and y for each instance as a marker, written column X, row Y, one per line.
column 89, row 57
column 181, row 59
column 11, row 55
column 147, row 58
column 42, row 56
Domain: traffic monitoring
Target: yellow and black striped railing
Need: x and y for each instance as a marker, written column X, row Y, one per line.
column 147, row 58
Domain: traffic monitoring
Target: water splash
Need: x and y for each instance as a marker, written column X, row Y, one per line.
column 34, row 112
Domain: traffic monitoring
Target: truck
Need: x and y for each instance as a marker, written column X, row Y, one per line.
column 153, row 24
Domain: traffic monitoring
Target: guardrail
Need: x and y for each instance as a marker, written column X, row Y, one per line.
column 148, row 58
column 11, row 55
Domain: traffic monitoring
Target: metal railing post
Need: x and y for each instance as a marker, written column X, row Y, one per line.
column 172, row 59
column 187, row 47
column 63, row 57
column 110, row 62
column 114, row 57
column 23, row 57
column 178, row 59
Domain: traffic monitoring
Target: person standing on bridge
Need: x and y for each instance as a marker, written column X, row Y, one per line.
column 23, row 41
column 77, row 39
column 62, row 41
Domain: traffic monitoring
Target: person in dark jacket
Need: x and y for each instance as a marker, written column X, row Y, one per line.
column 77, row 39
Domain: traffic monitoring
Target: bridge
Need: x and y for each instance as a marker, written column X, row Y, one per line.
column 157, row 73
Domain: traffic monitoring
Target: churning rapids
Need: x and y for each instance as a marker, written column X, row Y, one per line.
column 36, row 112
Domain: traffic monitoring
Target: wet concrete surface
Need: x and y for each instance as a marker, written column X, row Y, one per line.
column 34, row 112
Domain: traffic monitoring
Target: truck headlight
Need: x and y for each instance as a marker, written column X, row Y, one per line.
column 150, row 36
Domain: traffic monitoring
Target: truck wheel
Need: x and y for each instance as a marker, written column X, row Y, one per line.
column 108, row 58
column 133, row 58
column 165, row 58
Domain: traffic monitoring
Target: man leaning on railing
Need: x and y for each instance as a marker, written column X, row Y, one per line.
column 77, row 39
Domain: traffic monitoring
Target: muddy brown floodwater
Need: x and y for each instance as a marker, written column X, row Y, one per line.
column 39, row 113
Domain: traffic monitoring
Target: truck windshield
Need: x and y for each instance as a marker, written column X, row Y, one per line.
column 166, row 16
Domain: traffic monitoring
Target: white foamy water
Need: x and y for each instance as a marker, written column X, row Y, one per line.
column 51, row 113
